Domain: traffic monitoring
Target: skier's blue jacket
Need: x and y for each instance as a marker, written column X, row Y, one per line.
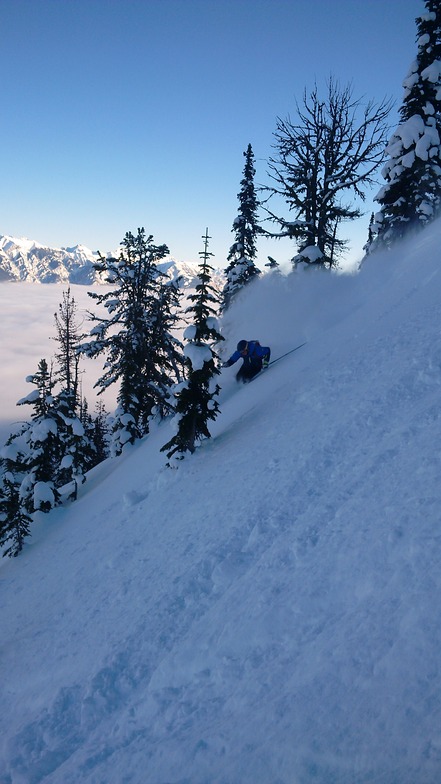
column 254, row 356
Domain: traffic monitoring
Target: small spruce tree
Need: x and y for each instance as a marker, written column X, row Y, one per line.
column 73, row 445
column 196, row 399
column 272, row 263
column 100, row 434
column 43, row 449
column 14, row 519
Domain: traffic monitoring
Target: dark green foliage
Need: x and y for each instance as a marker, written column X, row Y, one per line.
column 46, row 460
column 91, row 452
column 42, row 453
column 411, row 197
column 196, row 401
column 73, row 445
column 140, row 352
column 54, row 444
column 242, row 268
column 272, row 263
column 14, row 519
column 98, row 430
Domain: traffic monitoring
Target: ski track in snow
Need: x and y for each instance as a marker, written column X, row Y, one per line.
column 267, row 613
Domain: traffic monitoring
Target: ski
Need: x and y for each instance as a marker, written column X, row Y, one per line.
column 273, row 361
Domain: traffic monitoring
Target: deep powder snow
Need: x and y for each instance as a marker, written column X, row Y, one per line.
column 269, row 612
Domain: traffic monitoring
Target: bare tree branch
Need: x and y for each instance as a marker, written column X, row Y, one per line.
column 334, row 148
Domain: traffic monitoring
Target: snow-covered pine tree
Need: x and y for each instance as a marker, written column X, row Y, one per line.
column 196, row 399
column 166, row 316
column 411, row 197
column 73, row 445
column 242, row 255
column 14, row 519
column 41, row 455
column 133, row 337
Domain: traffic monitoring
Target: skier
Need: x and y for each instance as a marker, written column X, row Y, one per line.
column 255, row 357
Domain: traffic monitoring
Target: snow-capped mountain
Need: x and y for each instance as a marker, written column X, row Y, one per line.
column 188, row 272
column 27, row 260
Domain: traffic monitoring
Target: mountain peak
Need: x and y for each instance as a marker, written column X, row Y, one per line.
column 26, row 260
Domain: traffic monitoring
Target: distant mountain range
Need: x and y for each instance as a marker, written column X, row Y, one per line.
column 26, row 260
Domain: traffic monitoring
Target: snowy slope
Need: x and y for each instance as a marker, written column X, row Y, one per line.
column 269, row 612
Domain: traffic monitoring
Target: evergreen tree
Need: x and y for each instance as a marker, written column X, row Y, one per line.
column 91, row 456
column 41, row 456
column 242, row 268
column 68, row 338
column 166, row 317
column 272, row 263
column 14, row 519
column 73, row 445
column 411, row 197
column 196, row 398
column 100, row 434
column 49, row 452
column 140, row 352
column 371, row 234
column 331, row 152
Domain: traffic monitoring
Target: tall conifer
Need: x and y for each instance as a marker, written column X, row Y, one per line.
column 140, row 353
column 196, row 400
column 68, row 338
column 411, row 197
column 242, row 255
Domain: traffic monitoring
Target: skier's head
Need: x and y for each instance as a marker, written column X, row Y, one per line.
column 242, row 346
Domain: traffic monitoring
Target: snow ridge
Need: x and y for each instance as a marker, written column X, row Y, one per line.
column 23, row 259
column 26, row 260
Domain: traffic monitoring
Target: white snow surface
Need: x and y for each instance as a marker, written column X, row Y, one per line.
column 43, row 492
column 269, row 612
column 198, row 354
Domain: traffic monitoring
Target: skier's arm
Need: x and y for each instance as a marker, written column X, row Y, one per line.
column 234, row 357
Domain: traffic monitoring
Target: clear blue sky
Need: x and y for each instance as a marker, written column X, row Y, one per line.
column 125, row 113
